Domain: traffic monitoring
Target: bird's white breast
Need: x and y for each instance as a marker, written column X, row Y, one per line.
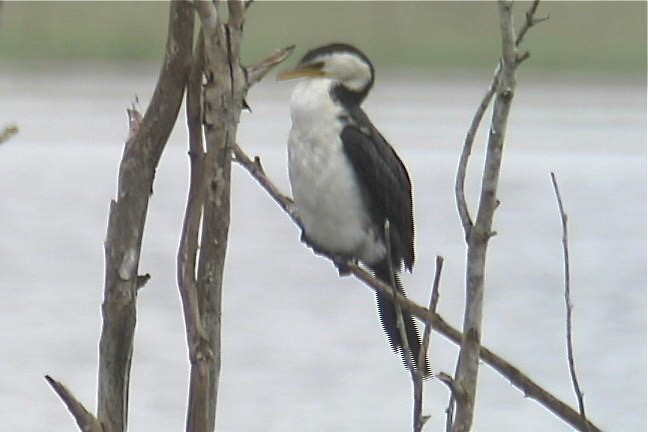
column 323, row 182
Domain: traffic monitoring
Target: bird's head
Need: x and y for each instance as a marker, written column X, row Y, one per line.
column 349, row 68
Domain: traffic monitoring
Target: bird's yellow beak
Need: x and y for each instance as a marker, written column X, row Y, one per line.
column 301, row 72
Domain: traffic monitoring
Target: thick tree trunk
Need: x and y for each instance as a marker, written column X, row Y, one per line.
column 128, row 216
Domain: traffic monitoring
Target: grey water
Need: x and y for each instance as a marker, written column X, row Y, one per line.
column 302, row 348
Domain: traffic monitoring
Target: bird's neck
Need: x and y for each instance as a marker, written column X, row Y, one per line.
column 313, row 103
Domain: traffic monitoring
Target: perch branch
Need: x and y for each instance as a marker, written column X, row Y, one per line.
column 127, row 218
column 84, row 419
column 256, row 171
column 518, row 379
column 568, row 303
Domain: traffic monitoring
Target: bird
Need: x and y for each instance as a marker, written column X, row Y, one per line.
column 347, row 181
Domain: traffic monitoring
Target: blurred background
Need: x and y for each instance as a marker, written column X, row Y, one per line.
column 580, row 37
column 303, row 349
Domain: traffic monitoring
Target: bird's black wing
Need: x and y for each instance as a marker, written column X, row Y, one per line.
column 384, row 182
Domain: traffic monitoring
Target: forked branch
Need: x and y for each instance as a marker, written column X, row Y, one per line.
column 478, row 234
column 460, row 194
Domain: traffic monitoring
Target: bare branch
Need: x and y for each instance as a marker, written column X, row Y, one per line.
column 199, row 353
column 460, row 196
column 257, row 71
column 468, row 362
column 256, row 171
column 518, row 379
column 127, row 218
column 434, row 300
column 449, row 382
column 529, row 22
column 84, row 419
column 417, row 379
column 416, row 376
column 568, row 303
column 208, row 14
column 477, row 235
column 224, row 91
column 236, row 13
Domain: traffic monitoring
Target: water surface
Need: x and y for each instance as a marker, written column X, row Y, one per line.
column 303, row 349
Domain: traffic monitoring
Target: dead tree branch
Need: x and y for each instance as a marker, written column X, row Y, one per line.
column 478, row 234
column 226, row 83
column 84, row 419
column 513, row 374
column 127, row 218
column 197, row 343
column 416, row 374
column 460, row 195
column 568, row 303
column 468, row 362
column 449, row 411
column 417, row 380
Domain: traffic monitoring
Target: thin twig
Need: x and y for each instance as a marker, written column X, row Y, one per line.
column 419, row 418
column 514, row 375
column 434, row 300
column 460, row 194
column 84, row 419
column 417, row 378
column 568, row 303
column 257, row 71
column 529, row 22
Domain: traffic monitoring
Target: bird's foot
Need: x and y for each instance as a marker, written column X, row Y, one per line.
column 304, row 239
column 340, row 261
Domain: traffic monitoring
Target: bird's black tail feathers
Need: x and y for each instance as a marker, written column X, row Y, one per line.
column 387, row 312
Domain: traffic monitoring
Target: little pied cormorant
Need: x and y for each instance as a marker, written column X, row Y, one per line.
column 346, row 179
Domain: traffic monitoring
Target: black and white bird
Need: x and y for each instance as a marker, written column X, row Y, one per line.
column 346, row 179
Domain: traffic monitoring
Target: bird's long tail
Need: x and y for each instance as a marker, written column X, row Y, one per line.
column 387, row 312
